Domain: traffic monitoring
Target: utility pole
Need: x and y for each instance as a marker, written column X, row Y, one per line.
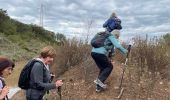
column 41, row 15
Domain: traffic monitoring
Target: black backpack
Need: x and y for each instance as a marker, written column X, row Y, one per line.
column 99, row 39
column 24, row 77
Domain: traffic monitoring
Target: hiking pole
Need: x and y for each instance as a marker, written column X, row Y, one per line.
column 46, row 97
column 121, row 81
column 59, row 92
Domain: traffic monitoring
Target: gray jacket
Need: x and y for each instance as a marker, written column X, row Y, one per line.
column 39, row 81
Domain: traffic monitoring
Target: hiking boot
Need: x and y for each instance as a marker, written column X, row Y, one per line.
column 98, row 82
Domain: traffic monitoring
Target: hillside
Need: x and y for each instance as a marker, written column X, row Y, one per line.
column 146, row 76
column 19, row 40
column 16, row 51
column 78, row 85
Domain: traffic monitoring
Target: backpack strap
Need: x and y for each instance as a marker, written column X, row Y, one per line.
column 4, row 84
column 32, row 64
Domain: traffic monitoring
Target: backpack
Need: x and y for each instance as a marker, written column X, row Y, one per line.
column 99, row 39
column 24, row 77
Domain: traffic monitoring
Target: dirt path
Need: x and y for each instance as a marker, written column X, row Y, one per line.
column 113, row 81
column 78, row 88
column 75, row 87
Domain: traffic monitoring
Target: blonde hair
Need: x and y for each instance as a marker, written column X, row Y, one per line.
column 116, row 33
column 113, row 15
column 48, row 51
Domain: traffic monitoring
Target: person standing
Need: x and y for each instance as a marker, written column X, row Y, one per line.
column 40, row 77
column 100, row 56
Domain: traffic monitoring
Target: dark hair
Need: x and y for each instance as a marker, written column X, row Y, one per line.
column 4, row 63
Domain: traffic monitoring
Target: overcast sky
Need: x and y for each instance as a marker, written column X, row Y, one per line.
column 73, row 17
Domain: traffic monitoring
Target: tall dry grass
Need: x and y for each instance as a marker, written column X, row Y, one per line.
column 148, row 65
column 72, row 53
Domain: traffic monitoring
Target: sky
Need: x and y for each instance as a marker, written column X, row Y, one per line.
column 82, row 18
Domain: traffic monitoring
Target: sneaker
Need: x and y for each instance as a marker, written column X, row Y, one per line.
column 97, row 81
column 99, row 88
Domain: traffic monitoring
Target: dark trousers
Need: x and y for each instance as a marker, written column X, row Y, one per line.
column 103, row 64
column 40, row 98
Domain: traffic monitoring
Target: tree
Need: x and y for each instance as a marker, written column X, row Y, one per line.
column 167, row 39
column 3, row 18
column 3, row 15
column 60, row 37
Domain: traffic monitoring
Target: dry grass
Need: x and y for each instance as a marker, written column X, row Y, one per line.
column 146, row 77
column 12, row 80
column 72, row 53
column 148, row 66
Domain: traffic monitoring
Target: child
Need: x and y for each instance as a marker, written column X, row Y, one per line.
column 112, row 23
column 6, row 67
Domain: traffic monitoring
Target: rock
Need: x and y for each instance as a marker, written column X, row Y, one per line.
column 116, row 87
column 160, row 83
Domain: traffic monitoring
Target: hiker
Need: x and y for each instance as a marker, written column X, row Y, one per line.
column 40, row 75
column 111, row 52
column 100, row 56
column 112, row 23
column 6, row 67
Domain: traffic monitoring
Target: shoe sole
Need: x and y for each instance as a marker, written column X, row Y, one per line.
column 100, row 84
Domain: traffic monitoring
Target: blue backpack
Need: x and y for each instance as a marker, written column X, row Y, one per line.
column 99, row 39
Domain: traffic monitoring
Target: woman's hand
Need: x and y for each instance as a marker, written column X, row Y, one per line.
column 4, row 92
column 59, row 83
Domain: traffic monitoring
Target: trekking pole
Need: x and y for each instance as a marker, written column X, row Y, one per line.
column 59, row 92
column 121, row 81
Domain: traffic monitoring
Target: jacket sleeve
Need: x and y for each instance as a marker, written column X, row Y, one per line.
column 117, row 44
column 37, row 76
column 1, row 85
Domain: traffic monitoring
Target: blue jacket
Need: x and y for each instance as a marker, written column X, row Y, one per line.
column 109, row 43
column 112, row 23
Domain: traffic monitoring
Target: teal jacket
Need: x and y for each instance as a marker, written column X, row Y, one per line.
column 109, row 43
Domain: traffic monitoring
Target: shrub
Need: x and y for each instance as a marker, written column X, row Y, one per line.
column 72, row 53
